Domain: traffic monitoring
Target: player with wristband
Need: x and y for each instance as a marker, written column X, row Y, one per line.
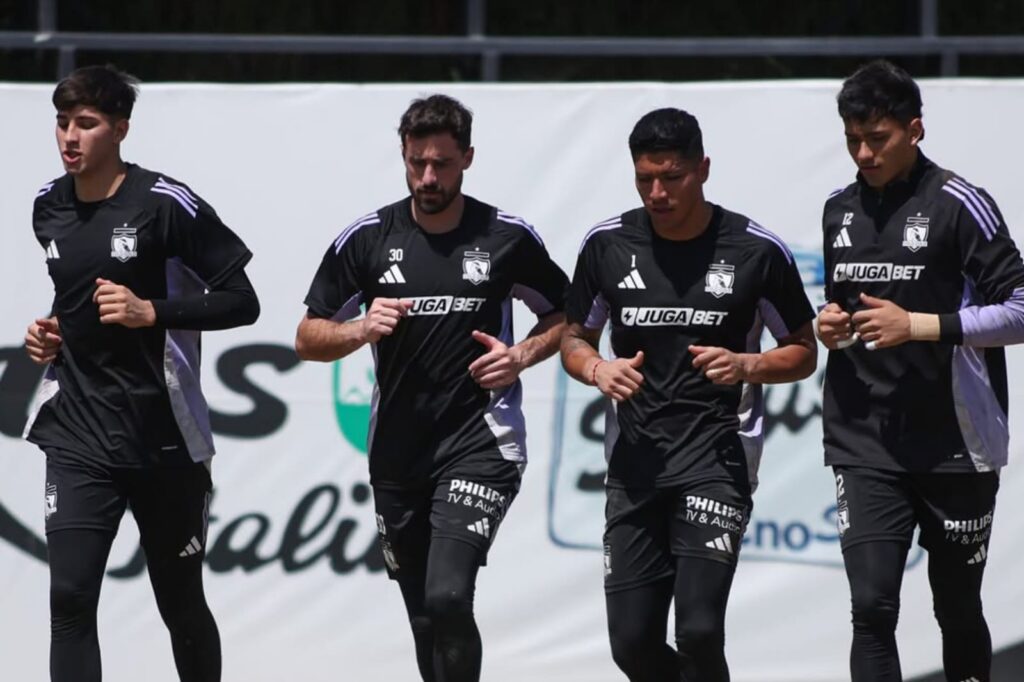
column 925, row 286
column 688, row 287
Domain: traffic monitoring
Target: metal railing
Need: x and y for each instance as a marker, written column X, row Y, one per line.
column 491, row 49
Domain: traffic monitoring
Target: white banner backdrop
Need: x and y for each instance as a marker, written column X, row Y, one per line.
column 294, row 574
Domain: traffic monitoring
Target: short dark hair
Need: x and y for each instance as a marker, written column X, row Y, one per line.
column 107, row 88
column 667, row 130
column 437, row 114
column 879, row 89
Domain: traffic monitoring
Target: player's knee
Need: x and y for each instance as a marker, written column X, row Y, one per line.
column 420, row 625
column 634, row 647
column 875, row 611
column 699, row 635
column 958, row 612
column 72, row 603
column 183, row 608
column 446, row 604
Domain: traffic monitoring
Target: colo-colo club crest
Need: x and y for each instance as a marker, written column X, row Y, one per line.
column 718, row 282
column 915, row 233
column 123, row 244
column 476, row 266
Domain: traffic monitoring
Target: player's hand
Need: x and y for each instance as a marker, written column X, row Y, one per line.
column 499, row 366
column 835, row 329
column 42, row 342
column 382, row 317
column 882, row 324
column 118, row 305
column 720, row 365
column 620, row 379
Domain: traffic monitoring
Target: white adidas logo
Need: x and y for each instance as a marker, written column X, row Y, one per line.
column 632, row 281
column 842, row 240
column 51, row 251
column 193, row 547
column 722, row 544
column 978, row 557
column 481, row 527
column 392, row 276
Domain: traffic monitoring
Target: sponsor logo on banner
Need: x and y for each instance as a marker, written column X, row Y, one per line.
column 353, row 384
column 326, row 525
column 795, row 517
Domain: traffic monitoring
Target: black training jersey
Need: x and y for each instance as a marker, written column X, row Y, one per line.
column 661, row 296
column 931, row 244
column 427, row 411
column 118, row 396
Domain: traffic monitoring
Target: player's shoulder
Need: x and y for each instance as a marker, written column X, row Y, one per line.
column 841, row 197
column 610, row 229
column 163, row 192
column 962, row 198
column 366, row 227
column 755, row 236
column 55, row 192
column 516, row 226
column 949, row 185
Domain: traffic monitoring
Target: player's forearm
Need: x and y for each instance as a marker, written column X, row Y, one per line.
column 579, row 355
column 325, row 340
column 232, row 304
column 207, row 312
column 794, row 359
column 998, row 324
column 542, row 341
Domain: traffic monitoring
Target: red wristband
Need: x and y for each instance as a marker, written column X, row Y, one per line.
column 593, row 371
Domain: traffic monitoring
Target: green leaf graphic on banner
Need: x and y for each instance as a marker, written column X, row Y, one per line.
column 353, row 385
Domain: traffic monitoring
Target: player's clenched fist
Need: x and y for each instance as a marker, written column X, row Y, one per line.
column 834, row 327
column 499, row 366
column 619, row 379
column 720, row 365
column 118, row 305
column 382, row 317
column 42, row 342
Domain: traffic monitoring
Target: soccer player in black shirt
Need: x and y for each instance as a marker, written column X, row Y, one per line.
column 924, row 287
column 140, row 265
column 688, row 287
column 437, row 272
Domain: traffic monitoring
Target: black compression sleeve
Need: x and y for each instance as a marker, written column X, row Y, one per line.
column 232, row 304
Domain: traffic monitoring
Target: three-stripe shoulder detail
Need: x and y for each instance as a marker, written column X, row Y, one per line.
column 45, row 189
column 179, row 193
column 346, row 234
column 609, row 224
column 516, row 220
column 976, row 203
column 759, row 231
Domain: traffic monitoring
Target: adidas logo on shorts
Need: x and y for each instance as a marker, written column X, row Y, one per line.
column 978, row 557
column 481, row 527
column 192, row 548
column 722, row 544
